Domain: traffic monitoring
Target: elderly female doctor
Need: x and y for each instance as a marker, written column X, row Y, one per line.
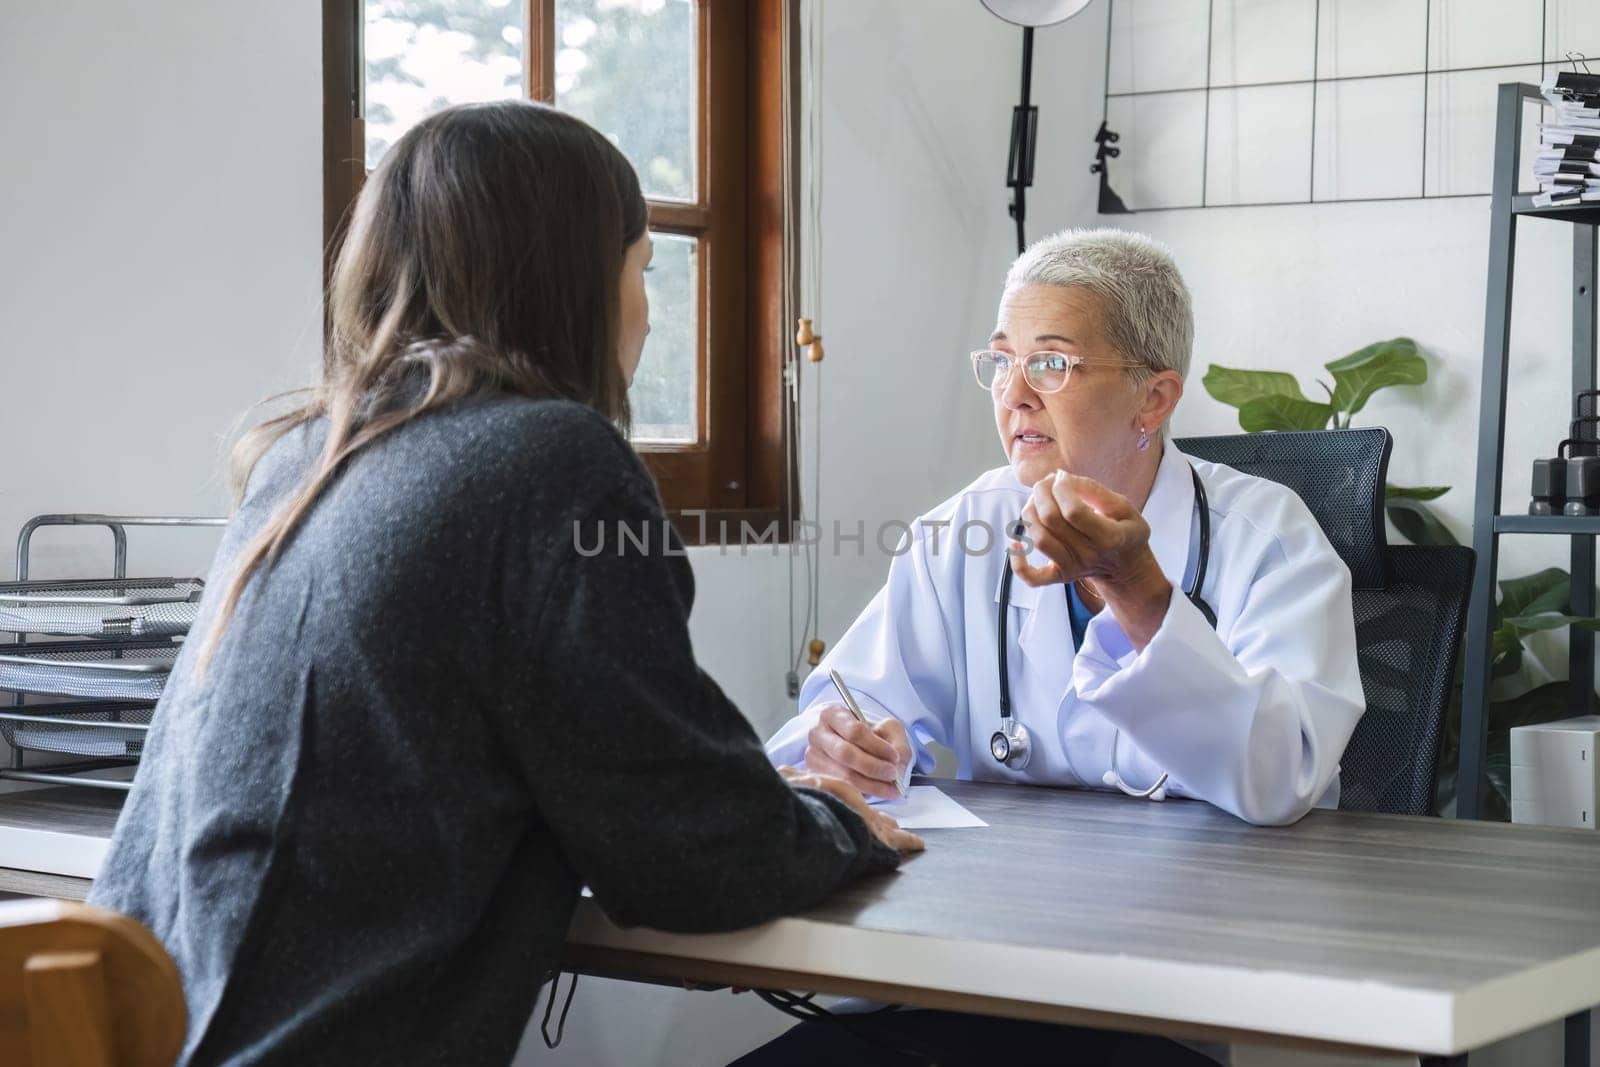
column 1160, row 626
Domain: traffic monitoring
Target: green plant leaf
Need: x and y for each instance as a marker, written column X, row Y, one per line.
column 1236, row 387
column 1544, row 703
column 1283, row 413
column 1505, row 655
column 1415, row 492
column 1360, row 374
column 1535, row 594
column 1528, row 624
column 1378, row 351
column 1416, row 521
column 1528, row 605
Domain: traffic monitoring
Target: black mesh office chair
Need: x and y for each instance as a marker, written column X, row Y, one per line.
column 1410, row 604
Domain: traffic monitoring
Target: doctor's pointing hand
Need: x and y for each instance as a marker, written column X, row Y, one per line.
column 1094, row 537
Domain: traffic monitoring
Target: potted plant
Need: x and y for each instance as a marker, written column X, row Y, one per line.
column 1521, row 692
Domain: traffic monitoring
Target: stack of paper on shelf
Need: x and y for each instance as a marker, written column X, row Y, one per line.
column 1568, row 164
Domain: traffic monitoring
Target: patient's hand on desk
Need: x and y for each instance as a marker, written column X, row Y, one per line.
column 883, row 827
column 871, row 758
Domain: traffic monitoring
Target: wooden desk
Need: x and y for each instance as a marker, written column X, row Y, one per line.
column 1343, row 931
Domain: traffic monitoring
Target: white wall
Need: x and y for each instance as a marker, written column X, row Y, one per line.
column 159, row 269
column 160, row 266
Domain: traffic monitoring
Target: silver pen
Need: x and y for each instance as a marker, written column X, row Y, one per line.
column 849, row 698
column 901, row 783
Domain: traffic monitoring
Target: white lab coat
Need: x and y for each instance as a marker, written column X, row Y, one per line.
column 1252, row 716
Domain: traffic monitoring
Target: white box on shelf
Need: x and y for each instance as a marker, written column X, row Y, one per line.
column 1554, row 778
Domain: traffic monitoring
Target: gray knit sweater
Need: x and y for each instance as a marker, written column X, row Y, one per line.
column 363, row 834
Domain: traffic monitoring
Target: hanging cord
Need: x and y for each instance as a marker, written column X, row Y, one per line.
column 550, row 1007
column 816, row 510
column 803, row 1008
column 814, row 125
column 791, row 369
column 810, row 241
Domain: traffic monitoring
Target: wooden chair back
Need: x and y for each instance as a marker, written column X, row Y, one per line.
column 84, row 987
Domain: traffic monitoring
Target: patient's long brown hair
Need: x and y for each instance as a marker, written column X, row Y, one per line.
column 487, row 247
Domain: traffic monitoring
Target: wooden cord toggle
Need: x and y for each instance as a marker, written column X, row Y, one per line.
column 811, row 342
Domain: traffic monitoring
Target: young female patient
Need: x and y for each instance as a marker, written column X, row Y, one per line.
column 413, row 720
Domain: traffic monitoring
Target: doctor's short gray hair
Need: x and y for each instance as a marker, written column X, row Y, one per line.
column 1149, row 317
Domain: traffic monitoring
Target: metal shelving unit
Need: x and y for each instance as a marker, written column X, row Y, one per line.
column 1488, row 525
column 1570, row 525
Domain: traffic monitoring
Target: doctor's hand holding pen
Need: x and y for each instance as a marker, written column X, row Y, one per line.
column 883, row 826
column 873, row 757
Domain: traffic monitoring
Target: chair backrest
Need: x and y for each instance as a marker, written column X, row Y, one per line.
column 85, row 987
column 1408, row 635
column 1409, row 602
column 1338, row 473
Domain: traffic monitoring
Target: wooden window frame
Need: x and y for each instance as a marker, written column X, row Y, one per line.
column 736, row 473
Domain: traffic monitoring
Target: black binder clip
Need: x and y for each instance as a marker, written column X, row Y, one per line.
column 1550, row 483
column 1582, row 464
column 1569, row 484
column 1581, row 87
column 1583, row 486
column 1585, row 406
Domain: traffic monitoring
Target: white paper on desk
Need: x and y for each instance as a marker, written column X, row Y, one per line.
column 927, row 807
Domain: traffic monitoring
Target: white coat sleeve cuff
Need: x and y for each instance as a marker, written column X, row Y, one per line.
column 1109, row 657
column 1107, row 650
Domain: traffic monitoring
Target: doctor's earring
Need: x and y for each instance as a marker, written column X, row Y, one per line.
column 1144, row 439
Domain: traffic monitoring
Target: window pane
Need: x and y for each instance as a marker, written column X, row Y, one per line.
column 423, row 55
column 667, row 381
column 627, row 66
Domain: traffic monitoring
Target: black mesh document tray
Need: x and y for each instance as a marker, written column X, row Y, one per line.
column 101, row 607
column 95, row 729
column 94, row 670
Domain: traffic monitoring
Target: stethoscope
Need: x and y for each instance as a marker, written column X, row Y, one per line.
column 1011, row 745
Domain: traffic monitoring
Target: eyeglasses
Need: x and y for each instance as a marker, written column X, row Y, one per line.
column 1047, row 372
